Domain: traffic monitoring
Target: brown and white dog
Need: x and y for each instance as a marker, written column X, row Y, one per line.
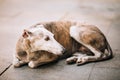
column 46, row 42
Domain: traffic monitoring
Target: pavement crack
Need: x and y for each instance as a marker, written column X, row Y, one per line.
column 5, row 69
column 91, row 72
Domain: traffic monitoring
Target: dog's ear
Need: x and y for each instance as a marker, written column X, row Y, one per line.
column 26, row 33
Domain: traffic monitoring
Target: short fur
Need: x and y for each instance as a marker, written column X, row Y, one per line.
column 84, row 43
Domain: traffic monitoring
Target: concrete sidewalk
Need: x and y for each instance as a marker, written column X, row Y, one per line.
column 15, row 15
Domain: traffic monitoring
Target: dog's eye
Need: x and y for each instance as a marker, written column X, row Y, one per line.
column 47, row 38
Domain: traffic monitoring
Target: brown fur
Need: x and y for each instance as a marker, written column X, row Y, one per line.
column 61, row 34
column 92, row 36
column 61, row 31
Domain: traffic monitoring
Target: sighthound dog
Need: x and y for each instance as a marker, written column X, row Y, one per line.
column 46, row 42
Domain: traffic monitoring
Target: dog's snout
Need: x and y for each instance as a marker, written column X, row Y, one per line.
column 64, row 50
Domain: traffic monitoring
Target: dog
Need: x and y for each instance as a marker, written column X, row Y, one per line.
column 46, row 42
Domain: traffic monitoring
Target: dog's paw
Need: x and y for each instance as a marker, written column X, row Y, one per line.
column 31, row 64
column 16, row 64
column 81, row 60
column 71, row 60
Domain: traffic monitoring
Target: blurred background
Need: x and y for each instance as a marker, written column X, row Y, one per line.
column 16, row 15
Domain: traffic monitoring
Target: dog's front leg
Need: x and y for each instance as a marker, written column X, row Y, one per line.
column 33, row 64
column 18, row 63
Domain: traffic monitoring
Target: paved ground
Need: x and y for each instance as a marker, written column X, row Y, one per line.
column 15, row 15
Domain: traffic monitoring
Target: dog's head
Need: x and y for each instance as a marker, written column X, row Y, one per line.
column 39, row 38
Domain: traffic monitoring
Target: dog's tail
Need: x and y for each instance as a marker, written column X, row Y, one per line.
column 110, row 52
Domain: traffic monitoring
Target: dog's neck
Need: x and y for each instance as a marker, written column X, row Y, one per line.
column 62, row 35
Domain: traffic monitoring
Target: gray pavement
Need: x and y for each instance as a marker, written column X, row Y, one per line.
column 15, row 15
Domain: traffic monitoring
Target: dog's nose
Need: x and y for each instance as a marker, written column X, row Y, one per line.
column 64, row 50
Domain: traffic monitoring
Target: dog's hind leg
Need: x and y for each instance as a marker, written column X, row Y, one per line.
column 98, row 56
column 19, row 59
column 82, row 58
column 78, row 34
column 75, row 57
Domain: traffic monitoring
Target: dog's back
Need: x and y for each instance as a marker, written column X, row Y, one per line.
column 61, row 31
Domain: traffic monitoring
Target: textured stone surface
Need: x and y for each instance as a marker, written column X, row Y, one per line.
column 54, row 71
column 105, row 74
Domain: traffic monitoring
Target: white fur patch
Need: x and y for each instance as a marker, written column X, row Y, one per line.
column 31, row 64
column 41, row 44
column 75, row 32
